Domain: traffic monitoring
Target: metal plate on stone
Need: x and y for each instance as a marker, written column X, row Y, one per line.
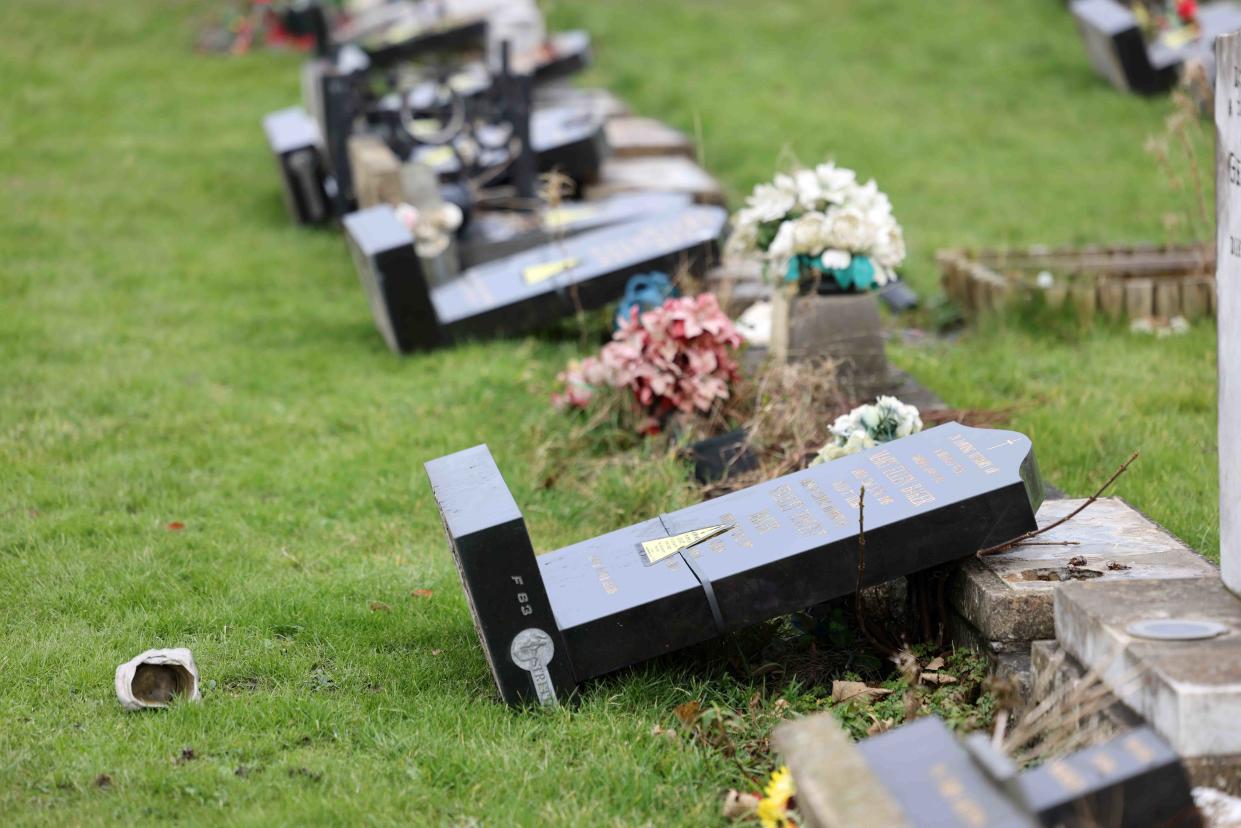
column 1176, row 629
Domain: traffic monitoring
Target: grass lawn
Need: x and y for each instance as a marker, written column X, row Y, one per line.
column 172, row 351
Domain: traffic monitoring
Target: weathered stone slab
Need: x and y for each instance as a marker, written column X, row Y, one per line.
column 376, row 171
column 636, row 137
column 1009, row 597
column 664, row 174
column 1228, row 299
column 1190, row 691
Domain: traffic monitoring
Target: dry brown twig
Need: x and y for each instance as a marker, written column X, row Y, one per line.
column 1007, row 545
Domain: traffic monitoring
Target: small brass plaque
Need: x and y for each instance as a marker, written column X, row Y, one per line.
column 542, row 272
column 654, row 551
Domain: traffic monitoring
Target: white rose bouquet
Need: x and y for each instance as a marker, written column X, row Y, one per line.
column 821, row 225
column 867, row 426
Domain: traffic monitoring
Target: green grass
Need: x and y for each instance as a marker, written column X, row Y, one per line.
column 172, row 350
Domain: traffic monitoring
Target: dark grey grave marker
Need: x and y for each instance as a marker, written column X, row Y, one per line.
column 523, row 291
column 293, row 138
column 920, row 775
column 496, row 234
column 931, row 498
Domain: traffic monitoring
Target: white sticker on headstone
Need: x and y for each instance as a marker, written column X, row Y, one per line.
column 1228, row 298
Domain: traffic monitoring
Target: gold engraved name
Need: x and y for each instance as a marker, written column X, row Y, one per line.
column 803, row 521
column 736, row 533
column 849, row 493
column 763, row 521
column 953, row 465
column 605, row 578
column 1103, row 763
column 902, row 478
column 1066, row 776
column 873, row 489
column 953, row 791
column 1138, row 749
column 923, row 463
column 974, row 455
column 824, row 501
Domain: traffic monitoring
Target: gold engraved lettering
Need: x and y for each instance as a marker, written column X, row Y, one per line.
column 850, row 494
column 873, row 489
column 824, row 501
column 923, row 463
column 763, row 521
column 1066, row 776
column 805, row 524
column 1139, row 749
column 953, row 792
column 974, row 455
column 896, row 473
column 605, row 578
column 1103, row 763
column 787, row 499
column 917, row 495
column 953, row 465
column 736, row 533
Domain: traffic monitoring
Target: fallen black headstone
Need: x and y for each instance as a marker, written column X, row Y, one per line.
column 518, row 293
column 639, row 592
column 498, row 233
column 293, row 138
column 921, row 775
column 722, row 456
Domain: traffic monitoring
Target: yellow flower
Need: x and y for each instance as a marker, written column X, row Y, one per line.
column 773, row 808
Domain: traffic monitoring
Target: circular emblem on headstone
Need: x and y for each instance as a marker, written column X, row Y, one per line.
column 532, row 649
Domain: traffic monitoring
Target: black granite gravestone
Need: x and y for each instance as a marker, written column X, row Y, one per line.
column 935, row 779
column 494, row 234
column 520, row 292
column 293, row 138
column 608, row 602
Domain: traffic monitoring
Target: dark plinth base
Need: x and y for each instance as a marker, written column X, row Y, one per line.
column 931, row 498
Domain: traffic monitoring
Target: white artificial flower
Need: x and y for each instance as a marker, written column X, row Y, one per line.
column 883, row 275
column 848, row 230
column 1179, row 324
column 809, row 191
column 833, row 259
column 407, row 214
column 449, row 217
column 835, row 182
column 889, row 250
column 770, row 203
column 781, row 246
column 742, row 239
column 809, row 233
column 1045, row 280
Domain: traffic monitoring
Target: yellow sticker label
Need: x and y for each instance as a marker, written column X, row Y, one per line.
column 656, row 550
column 437, row 157
column 566, row 215
column 542, row 272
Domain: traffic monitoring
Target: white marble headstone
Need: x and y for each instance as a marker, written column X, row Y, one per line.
column 1228, row 293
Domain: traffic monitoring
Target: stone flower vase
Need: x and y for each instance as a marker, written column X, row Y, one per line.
column 845, row 327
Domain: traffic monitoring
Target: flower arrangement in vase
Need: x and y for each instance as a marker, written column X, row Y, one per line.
column 822, row 229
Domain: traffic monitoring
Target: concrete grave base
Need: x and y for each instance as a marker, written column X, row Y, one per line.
column 636, row 137
column 846, row 327
column 665, row 173
column 1190, row 691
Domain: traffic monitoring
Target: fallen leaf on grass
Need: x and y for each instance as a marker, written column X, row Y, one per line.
column 739, row 805
column 935, row 663
column 422, row 593
column 937, row 678
column 103, row 781
column 688, row 712
column 666, row 732
column 380, row 606
column 436, row 652
column 176, row 526
column 843, row 691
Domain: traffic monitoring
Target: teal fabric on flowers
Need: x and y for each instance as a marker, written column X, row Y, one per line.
column 645, row 291
column 858, row 275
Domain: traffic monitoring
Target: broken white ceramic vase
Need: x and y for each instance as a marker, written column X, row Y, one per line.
column 155, row 677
